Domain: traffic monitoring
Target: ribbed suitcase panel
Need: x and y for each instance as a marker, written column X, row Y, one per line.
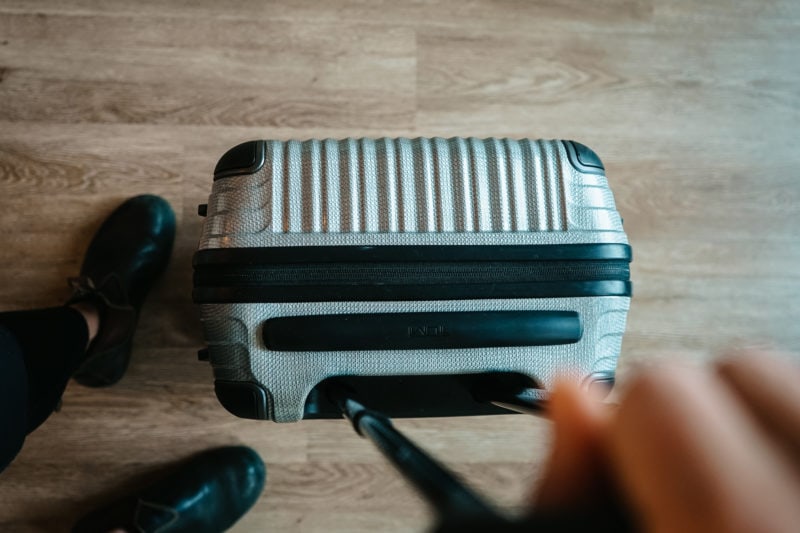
column 401, row 186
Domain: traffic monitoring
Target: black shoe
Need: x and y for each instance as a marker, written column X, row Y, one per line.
column 127, row 254
column 208, row 493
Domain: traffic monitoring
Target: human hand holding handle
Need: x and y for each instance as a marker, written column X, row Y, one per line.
column 687, row 449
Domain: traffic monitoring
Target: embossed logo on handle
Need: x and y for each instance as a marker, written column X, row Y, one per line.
column 427, row 331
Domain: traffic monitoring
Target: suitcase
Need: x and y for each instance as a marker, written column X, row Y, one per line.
column 414, row 272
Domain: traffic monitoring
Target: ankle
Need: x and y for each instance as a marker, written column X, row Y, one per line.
column 92, row 317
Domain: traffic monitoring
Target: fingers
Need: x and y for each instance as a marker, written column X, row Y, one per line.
column 575, row 472
column 769, row 386
column 691, row 458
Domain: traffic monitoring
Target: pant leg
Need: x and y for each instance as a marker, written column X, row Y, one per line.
column 39, row 351
column 13, row 398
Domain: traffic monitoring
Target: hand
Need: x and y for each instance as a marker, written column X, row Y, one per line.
column 712, row 449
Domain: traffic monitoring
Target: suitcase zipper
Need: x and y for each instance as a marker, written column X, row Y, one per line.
column 410, row 274
column 229, row 282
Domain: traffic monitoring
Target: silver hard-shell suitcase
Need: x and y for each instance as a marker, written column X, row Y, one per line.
column 412, row 271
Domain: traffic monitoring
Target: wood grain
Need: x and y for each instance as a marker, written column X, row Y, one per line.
column 694, row 107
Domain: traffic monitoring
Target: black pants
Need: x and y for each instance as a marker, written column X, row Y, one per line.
column 39, row 351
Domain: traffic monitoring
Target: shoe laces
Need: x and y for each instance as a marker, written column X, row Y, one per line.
column 108, row 290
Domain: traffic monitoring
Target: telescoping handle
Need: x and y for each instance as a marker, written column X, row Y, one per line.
column 447, row 495
column 457, row 507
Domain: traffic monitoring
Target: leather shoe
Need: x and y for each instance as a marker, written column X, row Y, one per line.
column 206, row 494
column 129, row 251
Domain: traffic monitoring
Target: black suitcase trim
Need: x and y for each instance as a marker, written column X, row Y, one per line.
column 583, row 158
column 245, row 158
column 402, row 273
column 313, row 293
column 355, row 254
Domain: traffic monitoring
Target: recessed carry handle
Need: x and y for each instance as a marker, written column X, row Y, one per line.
column 415, row 331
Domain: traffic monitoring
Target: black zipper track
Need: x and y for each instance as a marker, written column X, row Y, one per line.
column 327, row 274
column 402, row 273
column 410, row 254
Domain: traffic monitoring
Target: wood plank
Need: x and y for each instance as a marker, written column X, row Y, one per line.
column 502, row 15
column 126, row 69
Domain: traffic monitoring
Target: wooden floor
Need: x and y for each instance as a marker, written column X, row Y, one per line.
column 694, row 107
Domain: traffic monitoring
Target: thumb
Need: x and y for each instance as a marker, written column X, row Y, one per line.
column 575, row 475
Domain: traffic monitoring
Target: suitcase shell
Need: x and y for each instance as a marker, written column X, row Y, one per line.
column 411, row 269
